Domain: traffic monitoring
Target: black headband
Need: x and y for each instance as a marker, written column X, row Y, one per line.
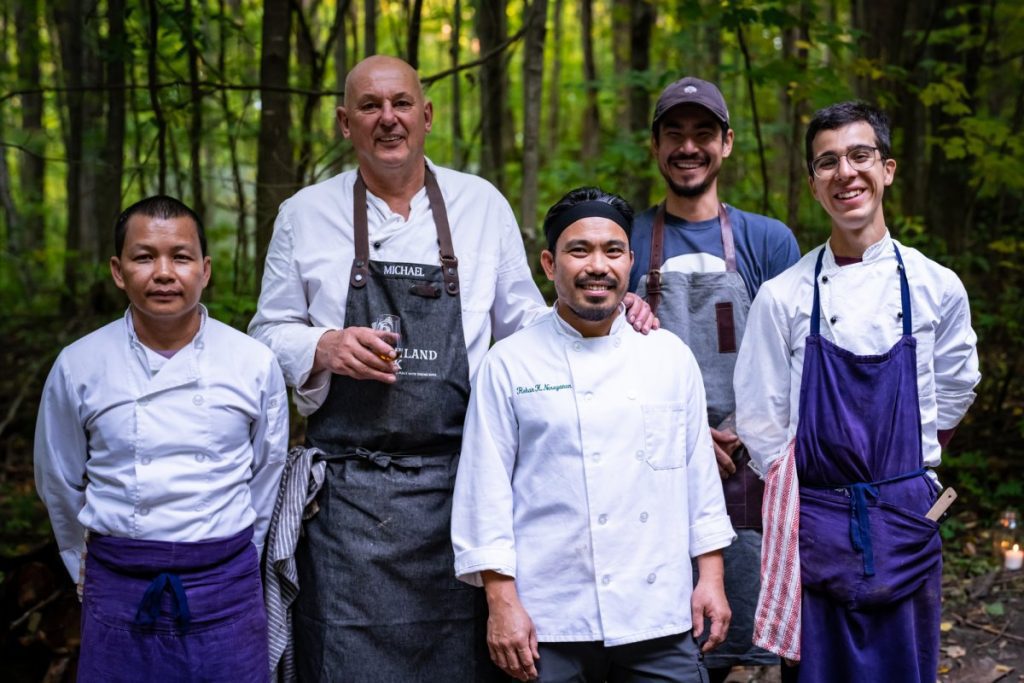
column 593, row 208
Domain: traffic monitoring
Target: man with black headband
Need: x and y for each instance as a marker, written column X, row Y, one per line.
column 587, row 480
column 699, row 264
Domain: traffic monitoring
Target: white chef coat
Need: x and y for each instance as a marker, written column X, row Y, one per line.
column 860, row 312
column 191, row 453
column 587, row 473
column 305, row 284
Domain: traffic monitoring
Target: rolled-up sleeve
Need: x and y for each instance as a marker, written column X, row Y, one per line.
column 483, row 536
column 956, row 357
column 60, row 455
column 762, row 380
column 282, row 319
column 710, row 528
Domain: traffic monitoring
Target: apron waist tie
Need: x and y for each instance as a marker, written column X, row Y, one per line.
column 149, row 606
column 860, row 523
column 380, row 458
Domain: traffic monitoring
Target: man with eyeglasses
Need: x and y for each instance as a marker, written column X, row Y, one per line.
column 859, row 364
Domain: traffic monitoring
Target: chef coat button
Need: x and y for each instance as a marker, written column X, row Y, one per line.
column 146, row 460
column 588, row 396
column 833, row 319
column 596, row 457
column 643, row 516
column 143, row 511
column 577, row 346
column 639, row 455
column 824, row 279
column 197, row 399
column 606, row 579
column 376, row 245
column 631, row 395
column 618, row 343
column 652, row 577
column 143, row 402
column 602, row 519
column 273, row 403
column 199, row 344
column 200, row 457
column 899, row 315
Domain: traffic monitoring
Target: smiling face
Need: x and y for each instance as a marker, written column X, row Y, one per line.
column 852, row 198
column 385, row 115
column 590, row 268
column 162, row 270
column 690, row 147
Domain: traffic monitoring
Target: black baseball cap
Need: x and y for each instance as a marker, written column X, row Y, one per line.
column 691, row 90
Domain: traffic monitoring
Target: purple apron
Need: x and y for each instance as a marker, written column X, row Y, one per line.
column 871, row 562
column 161, row 611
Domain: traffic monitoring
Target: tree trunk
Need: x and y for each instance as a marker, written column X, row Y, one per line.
column 491, row 30
column 555, row 87
column 622, row 16
column 458, row 138
column 241, row 274
column 195, row 115
column 29, row 232
column 591, row 135
column 641, row 22
column 533, row 93
column 154, row 95
column 412, row 46
column 370, row 26
column 795, row 108
column 275, row 173
column 341, row 68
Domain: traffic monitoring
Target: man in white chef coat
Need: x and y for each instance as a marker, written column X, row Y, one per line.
column 159, row 448
column 587, row 480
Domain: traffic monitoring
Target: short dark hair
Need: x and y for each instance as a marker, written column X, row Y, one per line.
column 843, row 114
column 579, row 196
column 157, row 206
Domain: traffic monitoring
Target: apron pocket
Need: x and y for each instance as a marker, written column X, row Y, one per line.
column 906, row 549
column 665, row 435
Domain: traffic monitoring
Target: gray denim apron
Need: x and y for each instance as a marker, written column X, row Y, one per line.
column 378, row 599
column 708, row 311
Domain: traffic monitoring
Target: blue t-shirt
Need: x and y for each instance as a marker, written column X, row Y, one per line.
column 764, row 247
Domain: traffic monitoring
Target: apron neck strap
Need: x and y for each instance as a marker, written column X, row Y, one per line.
column 360, row 264
column 908, row 325
column 449, row 263
column 658, row 248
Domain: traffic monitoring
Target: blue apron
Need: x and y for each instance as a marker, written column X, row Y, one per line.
column 871, row 562
column 175, row 612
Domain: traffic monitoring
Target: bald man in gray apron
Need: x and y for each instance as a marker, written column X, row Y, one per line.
column 370, row 579
column 699, row 264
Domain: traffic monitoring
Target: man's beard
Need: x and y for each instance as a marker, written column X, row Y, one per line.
column 593, row 315
column 689, row 191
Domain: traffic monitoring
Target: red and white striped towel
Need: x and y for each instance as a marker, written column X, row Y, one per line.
column 777, row 620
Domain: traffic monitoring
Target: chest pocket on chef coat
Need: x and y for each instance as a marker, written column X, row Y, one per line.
column 665, row 435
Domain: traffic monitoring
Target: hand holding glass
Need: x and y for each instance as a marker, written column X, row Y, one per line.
column 387, row 322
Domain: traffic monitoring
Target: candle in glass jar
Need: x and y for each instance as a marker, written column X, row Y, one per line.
column 1014, row 558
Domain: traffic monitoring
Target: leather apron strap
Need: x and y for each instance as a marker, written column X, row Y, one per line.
column 658, row 250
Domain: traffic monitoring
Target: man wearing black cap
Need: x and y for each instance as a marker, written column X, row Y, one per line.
column 699, row 264
column 587, row 479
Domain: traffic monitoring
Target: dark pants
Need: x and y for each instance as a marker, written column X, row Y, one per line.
column 670, row 659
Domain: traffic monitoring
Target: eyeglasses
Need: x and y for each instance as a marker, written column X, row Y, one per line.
column 860, row 158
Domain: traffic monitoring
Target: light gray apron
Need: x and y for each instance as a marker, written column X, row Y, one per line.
column 708, row 311
column 378, row 599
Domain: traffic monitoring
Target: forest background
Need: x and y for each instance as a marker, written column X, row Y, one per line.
column 229, row 105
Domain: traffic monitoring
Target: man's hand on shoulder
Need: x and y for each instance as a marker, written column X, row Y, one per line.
column 356, row 352
column 639, row 314
column 511, row 636
column 709, row 600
